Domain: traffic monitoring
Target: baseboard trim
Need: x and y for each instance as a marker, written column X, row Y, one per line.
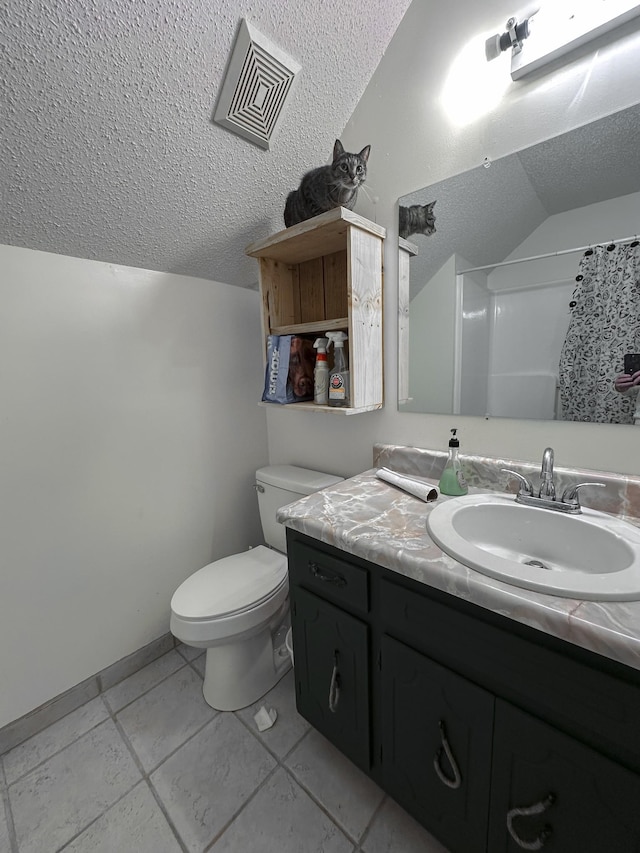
column 50, row 712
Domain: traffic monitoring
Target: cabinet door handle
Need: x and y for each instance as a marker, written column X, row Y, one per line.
column 327, row 577
column 446, row 748
column 334, row 686
column 527, row 811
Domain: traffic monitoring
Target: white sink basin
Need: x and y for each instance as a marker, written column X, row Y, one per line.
column 592, row 555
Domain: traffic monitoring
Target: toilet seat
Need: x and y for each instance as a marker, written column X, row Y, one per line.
column 232, row 597
column 231, row 586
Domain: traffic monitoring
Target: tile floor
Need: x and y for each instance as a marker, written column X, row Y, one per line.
column 149, row 767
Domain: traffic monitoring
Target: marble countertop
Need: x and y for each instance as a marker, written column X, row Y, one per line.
column 371, row 519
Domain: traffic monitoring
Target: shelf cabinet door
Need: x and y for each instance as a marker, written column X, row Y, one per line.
column 557, row 794
column 436, row 746
column 331, row 650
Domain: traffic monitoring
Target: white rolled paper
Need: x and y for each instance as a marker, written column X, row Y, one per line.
column 414, row 485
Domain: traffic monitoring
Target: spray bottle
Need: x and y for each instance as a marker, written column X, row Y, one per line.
column 321, row 373
column 339, row 378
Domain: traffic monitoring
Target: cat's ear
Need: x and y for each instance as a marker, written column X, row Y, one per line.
column 431, row 205
column 338, row 150
column 364, row 154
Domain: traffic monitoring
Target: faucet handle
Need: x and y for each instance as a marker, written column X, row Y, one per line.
column 570, row 494
column 526, row 486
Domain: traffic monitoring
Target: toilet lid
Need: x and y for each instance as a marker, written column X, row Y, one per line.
column 227, row 586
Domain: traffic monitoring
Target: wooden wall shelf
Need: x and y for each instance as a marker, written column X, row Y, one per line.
column 325, row 274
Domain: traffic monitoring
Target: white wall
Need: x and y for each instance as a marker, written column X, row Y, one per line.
column 474, row 367
column 414, row 144
column 129, row 435
column 589, row 225
column 431, row 353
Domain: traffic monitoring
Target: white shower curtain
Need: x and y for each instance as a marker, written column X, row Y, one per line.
column 604, row 325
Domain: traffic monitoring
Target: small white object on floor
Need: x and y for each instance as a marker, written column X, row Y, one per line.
column 265, row 718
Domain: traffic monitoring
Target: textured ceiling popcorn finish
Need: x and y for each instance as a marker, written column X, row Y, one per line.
column 109, row 149
column 255, row 87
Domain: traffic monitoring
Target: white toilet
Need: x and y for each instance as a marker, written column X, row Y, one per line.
column 237, row 608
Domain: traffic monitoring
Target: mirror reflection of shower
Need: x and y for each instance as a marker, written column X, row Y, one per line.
column 534, row 343
column 481, row 332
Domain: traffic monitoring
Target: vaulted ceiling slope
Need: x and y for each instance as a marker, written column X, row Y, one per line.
column 484, row 214
column 108, row 148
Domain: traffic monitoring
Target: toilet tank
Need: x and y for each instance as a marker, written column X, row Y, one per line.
column 279, row 485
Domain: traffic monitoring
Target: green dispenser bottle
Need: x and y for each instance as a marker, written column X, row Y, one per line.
column 452, row 481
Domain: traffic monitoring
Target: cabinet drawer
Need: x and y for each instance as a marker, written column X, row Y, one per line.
column 584, row 701
column 330, row 577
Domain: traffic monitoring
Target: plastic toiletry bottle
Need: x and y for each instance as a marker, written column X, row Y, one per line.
column 321, row 373
column 339, row 376
column 452, row 481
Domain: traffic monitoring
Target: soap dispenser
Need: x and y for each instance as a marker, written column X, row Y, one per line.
column 452, row 481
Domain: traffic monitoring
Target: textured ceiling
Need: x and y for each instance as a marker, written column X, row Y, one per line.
column 108, row 148
column 484, row 214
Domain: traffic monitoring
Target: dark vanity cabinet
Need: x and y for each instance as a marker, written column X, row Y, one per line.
column 494, row 736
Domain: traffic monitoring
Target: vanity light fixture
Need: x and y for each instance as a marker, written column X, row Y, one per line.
column 512, row 37
column 556, row 29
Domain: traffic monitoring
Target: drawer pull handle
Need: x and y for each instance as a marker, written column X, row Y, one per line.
column 527, row 811
column 322, row 575
column 457, row 778
column 334, row 686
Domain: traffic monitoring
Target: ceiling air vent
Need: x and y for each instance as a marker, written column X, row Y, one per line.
column 258, row 80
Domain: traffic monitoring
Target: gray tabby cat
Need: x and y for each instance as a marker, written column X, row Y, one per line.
column 417, row 219
column 327, row 187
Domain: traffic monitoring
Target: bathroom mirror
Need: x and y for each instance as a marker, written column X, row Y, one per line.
column 481, row 335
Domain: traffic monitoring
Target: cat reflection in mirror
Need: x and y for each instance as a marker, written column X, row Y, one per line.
column 416, row 219
column 326, row 187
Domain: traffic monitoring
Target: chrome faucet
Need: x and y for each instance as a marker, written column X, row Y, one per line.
column 547, row 486
column 546, row 493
